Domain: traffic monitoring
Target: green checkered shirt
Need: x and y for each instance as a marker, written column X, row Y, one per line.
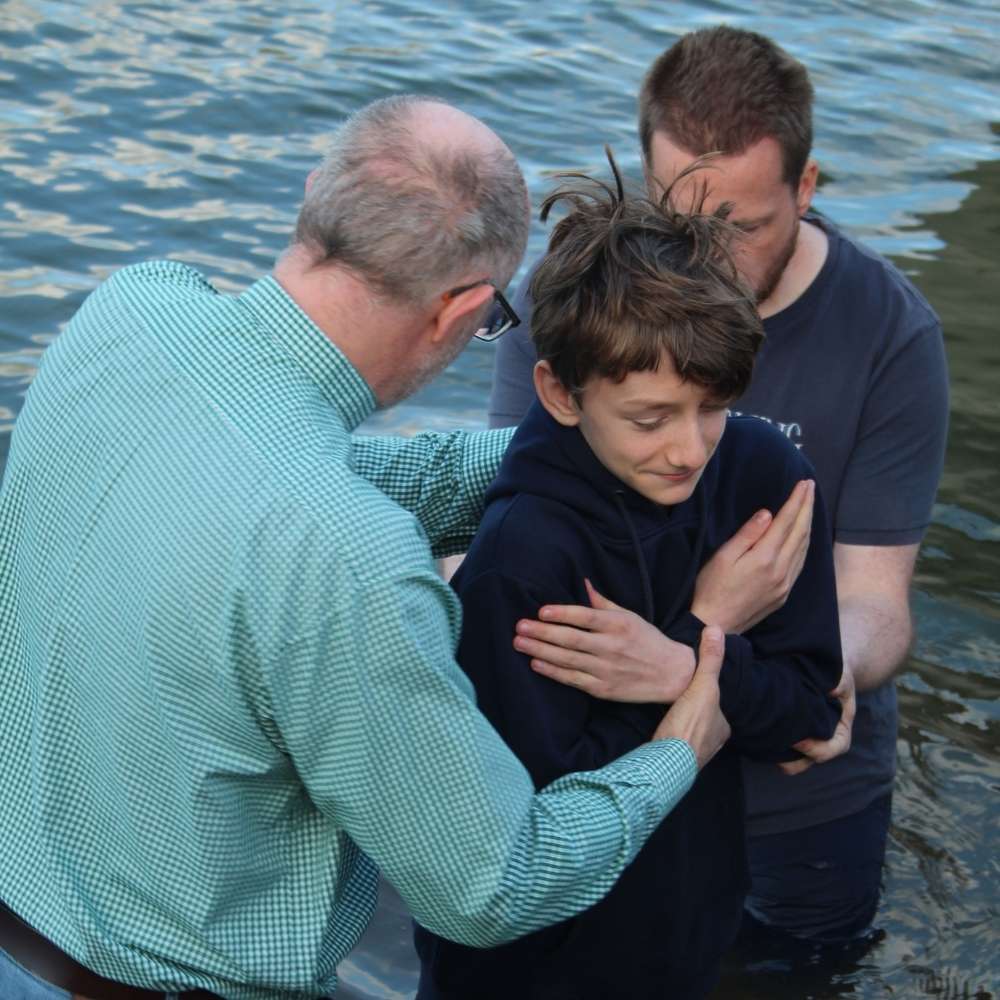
column 227, row 688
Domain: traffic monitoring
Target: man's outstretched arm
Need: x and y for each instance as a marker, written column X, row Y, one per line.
column 876, row 632
column 439, row 478
column 384, row 732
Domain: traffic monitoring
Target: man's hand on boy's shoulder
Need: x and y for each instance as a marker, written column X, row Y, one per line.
column 606, row 651
column 752, row 574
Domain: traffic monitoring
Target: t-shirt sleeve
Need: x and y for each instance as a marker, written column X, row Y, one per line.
column 513, row 389
column 893, row 473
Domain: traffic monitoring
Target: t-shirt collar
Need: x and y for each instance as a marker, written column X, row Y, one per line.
column 807, row 306
column 324, row 363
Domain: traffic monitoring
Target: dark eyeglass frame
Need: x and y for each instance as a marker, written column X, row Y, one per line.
column 499, row 324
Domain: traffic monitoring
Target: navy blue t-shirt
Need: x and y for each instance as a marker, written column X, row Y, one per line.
column 854, row 373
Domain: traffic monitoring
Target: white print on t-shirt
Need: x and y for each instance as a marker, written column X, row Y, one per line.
column 792, row 431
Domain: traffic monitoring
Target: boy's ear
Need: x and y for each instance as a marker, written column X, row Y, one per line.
column 554, row 396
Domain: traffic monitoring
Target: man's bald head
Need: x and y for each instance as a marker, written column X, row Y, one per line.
column 414, row 195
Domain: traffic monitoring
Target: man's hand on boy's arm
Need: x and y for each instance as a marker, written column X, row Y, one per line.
column 820, row 751
column 875, row 633
column 752, row 574
column 606, row 651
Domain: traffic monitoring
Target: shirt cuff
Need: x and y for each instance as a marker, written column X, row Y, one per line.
column 670, row 766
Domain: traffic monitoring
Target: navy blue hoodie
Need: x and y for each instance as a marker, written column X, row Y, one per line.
column 554, row 516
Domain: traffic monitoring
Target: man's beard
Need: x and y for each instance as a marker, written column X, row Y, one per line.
column 773, row 275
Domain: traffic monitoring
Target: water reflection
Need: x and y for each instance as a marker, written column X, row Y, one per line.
column 185, row 129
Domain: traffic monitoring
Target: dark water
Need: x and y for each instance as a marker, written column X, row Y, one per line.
column 136, row 130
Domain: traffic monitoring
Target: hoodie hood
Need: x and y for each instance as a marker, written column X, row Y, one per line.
column 548, row 460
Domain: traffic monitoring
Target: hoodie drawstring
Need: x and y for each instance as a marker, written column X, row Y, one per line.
column 647, row 586
column 682, row 599
column 683, row 596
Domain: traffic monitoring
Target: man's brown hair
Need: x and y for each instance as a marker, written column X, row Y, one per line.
column 723, row 89
column 626, row 280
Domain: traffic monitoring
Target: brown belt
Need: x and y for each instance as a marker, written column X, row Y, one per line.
column 44, row 959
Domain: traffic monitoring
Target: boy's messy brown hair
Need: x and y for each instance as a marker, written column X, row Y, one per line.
column 627, row 280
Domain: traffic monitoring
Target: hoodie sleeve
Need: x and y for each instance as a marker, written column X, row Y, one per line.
column 554, row 729
column 776, row 679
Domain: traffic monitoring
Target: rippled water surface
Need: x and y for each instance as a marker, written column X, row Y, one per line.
column 185, row 130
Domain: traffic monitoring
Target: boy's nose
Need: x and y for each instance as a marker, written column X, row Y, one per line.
column 688, row 449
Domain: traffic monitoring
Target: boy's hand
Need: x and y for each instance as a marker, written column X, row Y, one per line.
column 751, row 575
column 696, row 717
column 606, row 651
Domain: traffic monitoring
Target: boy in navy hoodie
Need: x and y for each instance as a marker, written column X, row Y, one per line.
column 627, row 473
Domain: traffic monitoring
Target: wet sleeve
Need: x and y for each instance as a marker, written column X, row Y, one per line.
column 895, row 466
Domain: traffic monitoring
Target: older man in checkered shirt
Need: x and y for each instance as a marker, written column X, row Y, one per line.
column 227, row 688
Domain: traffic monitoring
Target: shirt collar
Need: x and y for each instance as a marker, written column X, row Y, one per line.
column 324, row 363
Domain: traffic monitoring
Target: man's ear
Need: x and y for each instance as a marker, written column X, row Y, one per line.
column 313, row 174
column 554, row 396
column 454, row 311
column 653, row 186
column 807, row 187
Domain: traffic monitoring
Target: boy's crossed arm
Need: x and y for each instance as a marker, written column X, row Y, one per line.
column 614, row 654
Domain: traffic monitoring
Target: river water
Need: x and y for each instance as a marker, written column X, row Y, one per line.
column 131, row 130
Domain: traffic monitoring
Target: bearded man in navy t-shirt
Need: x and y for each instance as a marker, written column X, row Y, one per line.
column 853, row 372
column 622, row 480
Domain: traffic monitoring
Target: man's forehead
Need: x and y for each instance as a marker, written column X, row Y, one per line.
column 749, row 179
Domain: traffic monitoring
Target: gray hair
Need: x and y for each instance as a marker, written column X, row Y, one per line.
column 408, row 219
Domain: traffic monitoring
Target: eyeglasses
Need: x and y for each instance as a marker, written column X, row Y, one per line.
column 501, row 319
